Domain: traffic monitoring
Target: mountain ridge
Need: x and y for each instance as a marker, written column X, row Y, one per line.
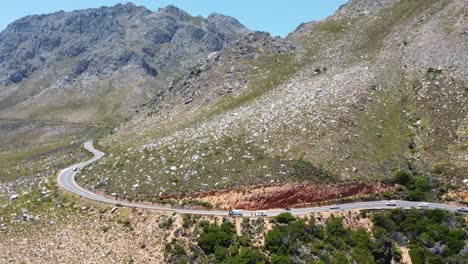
column 78, row 49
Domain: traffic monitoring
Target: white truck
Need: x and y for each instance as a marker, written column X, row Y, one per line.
column 235, row 213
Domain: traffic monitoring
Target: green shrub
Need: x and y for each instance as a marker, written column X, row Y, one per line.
column 216, row 236
column 417, row 255
column 125, row 222
column 416, row 195
column 340, row 258
column 455, row 241
column 285, row 218
column 203, row 224
column 281, row 259
column 247, row 256
column 304, row 169
column 335, row 227
column 402, row 177
column 166, row 224
column 423, row 184
column 187, row 220
column 274, row 241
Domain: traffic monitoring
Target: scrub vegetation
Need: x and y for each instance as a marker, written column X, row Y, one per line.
column 432, row 236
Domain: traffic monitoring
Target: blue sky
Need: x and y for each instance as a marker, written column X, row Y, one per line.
column 279, row 17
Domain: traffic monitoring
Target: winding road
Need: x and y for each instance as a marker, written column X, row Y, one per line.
column 66, row 180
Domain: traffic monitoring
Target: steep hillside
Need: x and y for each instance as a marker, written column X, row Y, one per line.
column 378, row 87
column 97, row 65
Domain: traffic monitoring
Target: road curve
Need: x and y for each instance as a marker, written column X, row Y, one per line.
column 66, row 179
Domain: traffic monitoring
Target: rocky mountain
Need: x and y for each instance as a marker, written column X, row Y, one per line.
column 101, row 63
column 377, row 88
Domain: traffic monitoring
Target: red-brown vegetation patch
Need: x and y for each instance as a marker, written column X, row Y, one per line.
column 287, row 195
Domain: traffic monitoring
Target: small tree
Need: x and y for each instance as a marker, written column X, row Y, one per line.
column 285, row 218
column 216, row 236
column 402, row 177
column 248, row 256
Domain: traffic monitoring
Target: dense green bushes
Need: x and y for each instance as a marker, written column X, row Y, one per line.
column 304, row 169
column 416, row 187
column 301, row 240
column 223, row 242
column 215, row 237
column 285, row 218
column 433, row 236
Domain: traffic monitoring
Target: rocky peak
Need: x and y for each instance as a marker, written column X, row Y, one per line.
column 220, row 19
column 129, row 8
column 172, row 11
column 355, row 8
column 227, row 23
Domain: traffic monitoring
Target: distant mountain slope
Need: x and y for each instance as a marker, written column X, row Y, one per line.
column 376, row 88
column 98, row 64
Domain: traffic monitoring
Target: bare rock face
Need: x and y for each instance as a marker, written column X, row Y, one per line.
column 60, row 49
column 230, row 26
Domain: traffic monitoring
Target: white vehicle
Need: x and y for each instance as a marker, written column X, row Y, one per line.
column 423, row 205
column 235, row 213
column 75, row 169
column 463, row 209
column 333, row 207
column 391, row 203
column 260, row 213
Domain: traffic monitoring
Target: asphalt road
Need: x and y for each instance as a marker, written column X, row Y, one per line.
column 66, row 179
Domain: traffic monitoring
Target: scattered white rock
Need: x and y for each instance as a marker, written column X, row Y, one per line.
column 195, row 157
